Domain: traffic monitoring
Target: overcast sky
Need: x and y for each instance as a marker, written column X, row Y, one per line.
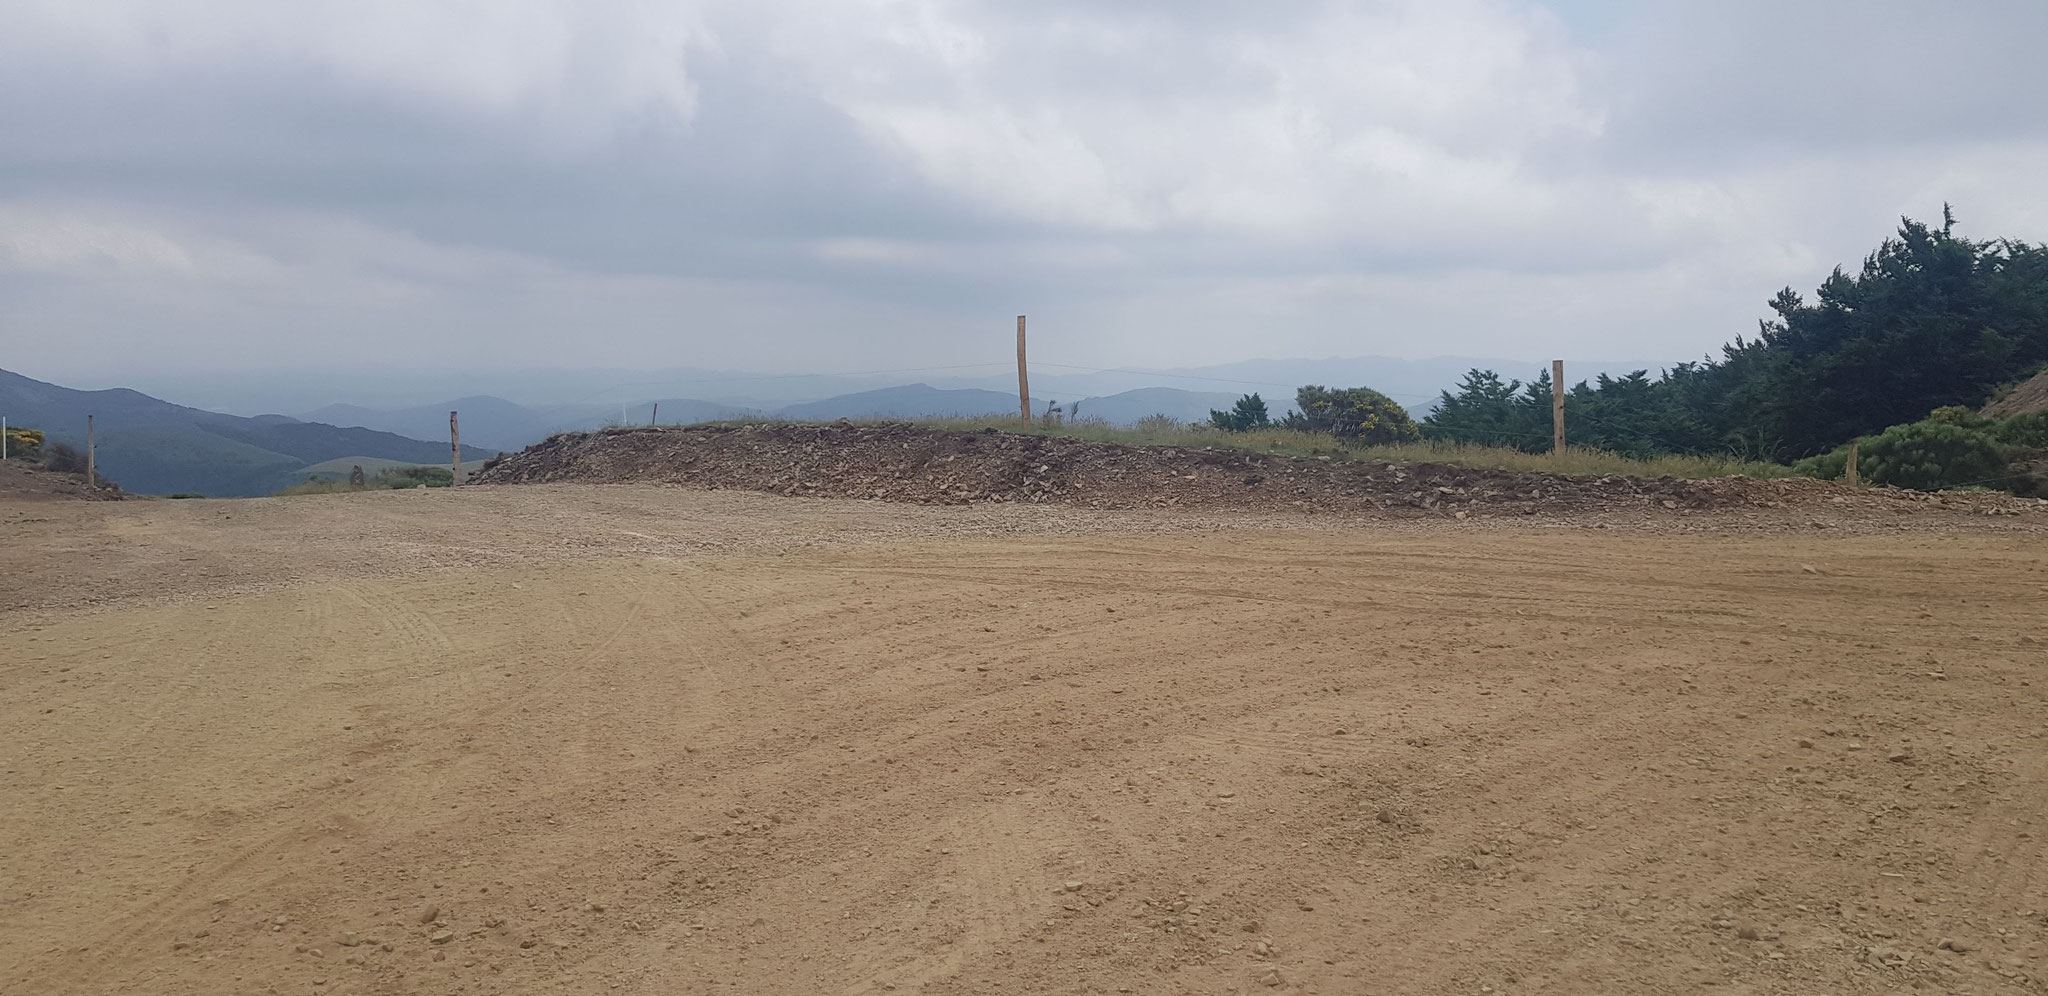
column 841, row 186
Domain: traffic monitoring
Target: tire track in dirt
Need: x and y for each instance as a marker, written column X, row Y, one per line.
column 218, row 882
column 784, row 749
column 986, row 893
column 413, row 625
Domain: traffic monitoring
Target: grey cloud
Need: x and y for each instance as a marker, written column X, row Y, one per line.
column 870, row 184
column 1709, row 83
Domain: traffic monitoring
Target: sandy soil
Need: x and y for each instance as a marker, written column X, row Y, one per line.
column 646, row 740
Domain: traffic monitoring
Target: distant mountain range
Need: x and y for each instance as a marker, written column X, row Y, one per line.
column 151, row 446
column 1413, row 383
column 499, row 424
column 496, row 424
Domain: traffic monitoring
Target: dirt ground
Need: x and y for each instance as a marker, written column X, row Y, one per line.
column 638, row 739
column 21, row 483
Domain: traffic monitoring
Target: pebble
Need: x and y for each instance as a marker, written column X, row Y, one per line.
column 1072, row 885
column 1898, row 757
column 1951, row 944
column 442, row 936
column 430, row 914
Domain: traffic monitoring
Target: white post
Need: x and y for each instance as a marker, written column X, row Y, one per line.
column 3, row 439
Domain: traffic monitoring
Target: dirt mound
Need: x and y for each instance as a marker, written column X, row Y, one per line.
column 2031, row 396
column 910, row 463
column 20, row 481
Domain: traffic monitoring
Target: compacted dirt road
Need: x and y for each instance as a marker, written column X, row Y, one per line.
column 637, row 739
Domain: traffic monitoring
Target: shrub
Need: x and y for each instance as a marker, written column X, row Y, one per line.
column 24, row 444
column 2028, row 431
column 1958, row 416
column 65, row 459
column 1358, row 413
column 1249, row 413
column 1926, row 456
column 1158, row 423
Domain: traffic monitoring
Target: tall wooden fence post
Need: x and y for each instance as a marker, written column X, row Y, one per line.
column 455, row 449
column 1557, row 407
column 91, row 476
column 654, row 415
column 1855, row 478
column 1023, row 380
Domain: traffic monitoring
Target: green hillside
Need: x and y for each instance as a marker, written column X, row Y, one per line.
column 151, row 446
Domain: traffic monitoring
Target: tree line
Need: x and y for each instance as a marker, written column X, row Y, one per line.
column 1928, row 329
column 1932, row 320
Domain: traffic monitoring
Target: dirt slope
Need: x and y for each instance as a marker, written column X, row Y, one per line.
column 2029, row 397
column 649, row 740
column 26, row 482
column 903, row 462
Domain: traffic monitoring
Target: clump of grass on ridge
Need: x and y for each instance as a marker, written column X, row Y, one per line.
column 1293, row 443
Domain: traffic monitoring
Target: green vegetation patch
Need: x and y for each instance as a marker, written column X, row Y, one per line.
column 1951, row 448
column 388, row 479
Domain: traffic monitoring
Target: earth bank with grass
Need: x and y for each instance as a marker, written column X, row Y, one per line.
column 925, row 464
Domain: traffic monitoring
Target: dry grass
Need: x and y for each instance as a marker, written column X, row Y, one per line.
column 1288, row 442
column 1285, row 442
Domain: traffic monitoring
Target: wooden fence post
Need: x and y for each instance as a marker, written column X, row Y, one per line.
column 1855, row 479
column 1557, row 407
column 91, row 476
column 455, row 449
column 1023, row 381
